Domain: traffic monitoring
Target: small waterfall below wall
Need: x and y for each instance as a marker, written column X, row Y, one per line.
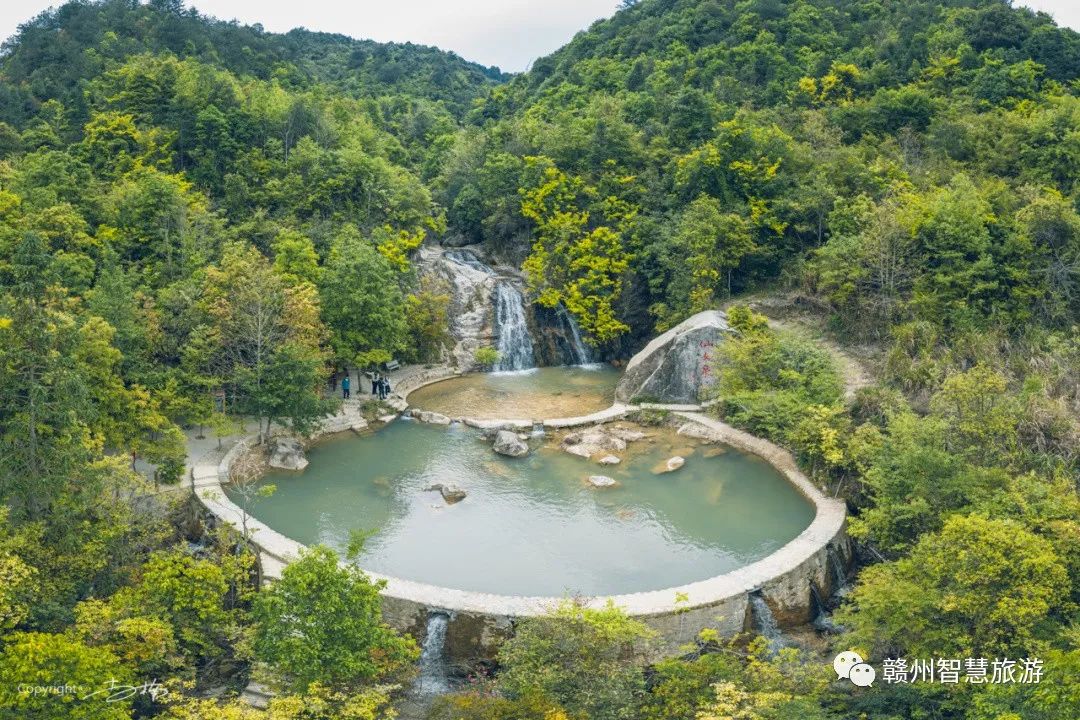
column 514, row 341
column 434, row 671
column 836, row 565
column 822, row 621
column 765, row 623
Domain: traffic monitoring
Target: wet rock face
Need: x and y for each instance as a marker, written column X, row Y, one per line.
column 287, row 453
column 676, row 366
column 469, row 282
column 473, row 282
column 510, row 444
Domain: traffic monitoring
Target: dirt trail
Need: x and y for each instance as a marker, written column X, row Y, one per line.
column 796, row 314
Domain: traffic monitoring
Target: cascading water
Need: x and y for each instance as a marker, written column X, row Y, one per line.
column 836, row 564
column 822, row 621
column 514, row 341
column 765, row 623
column 469, row 260
column 580, row 351
column 434, row 671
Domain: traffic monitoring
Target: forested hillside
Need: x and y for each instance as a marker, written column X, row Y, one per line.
column 778, row 123
column 908, row 168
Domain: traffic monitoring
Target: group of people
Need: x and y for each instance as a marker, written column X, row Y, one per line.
column 380, row 385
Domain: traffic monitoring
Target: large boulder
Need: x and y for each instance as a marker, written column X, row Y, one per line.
column 602, row 481
column 510, row 444
column 589, row 442
column 676, row 366
column 287, row 453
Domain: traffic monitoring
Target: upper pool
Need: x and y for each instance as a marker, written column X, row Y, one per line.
column 534, row 526
column 538, row 394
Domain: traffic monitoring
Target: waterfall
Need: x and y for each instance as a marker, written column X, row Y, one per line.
column 765, row 623
column 836, row 564
column 514, row 343
column 822, row 621
column 580, row 351
column 469, row 260
column 434, row 672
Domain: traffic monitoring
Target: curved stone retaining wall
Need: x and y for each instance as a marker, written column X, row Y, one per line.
column 480, row 620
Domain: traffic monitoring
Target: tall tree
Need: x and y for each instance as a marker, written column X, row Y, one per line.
column 362, row 302
column 262, row 325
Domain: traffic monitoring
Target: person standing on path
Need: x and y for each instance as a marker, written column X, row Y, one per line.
column 346, row 387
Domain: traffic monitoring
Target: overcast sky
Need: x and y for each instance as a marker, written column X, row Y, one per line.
column 507, row 33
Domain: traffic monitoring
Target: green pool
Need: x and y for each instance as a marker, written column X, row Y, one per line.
column 533, row 525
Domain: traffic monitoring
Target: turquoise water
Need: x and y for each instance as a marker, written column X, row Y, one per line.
column 533, row 526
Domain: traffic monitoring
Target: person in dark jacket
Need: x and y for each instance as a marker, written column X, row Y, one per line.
column 346, row 387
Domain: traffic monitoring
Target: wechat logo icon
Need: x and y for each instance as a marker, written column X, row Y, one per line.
column 850, row 665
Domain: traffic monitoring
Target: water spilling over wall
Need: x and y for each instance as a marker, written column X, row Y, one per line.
column 765, row 623
column 434, row 669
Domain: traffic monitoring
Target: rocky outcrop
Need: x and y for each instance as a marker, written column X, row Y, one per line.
column 431, row 418
column 287, row 453
column 698, row 432
column 510, row 444
column 469, row 281
column 589, row 442
column 676, row 366
column 348, row 418
column 627, row 434
column 452, row 494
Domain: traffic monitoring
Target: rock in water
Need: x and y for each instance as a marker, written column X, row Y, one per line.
column 676, row 366
column 452, row 494
column 602, row 481
column 610, row 460
column 698, row 432
column 670, row 466
column 432, row 418
column 287, row 453
column 510, row 444
column 586, row 443
column 627, row 434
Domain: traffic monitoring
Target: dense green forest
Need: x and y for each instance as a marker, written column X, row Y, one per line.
column 908, row 168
